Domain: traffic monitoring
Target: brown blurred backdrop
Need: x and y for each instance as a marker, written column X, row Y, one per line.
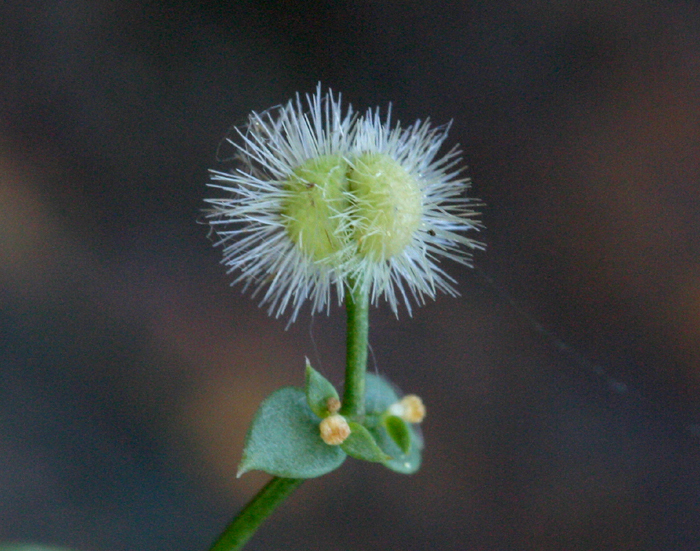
column 130, row 369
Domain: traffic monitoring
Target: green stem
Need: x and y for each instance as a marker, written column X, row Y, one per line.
column 260, row 507
column 276, row 491
column 357, row 309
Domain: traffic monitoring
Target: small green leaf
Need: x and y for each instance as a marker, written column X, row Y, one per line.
column 399, row 432
column 318, row 391
column 284, row 439
column 380, row 395
column 401, row 462
column 361, row 445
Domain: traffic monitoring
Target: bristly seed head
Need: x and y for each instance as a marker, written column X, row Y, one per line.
column 388, row 206
column 322, row 197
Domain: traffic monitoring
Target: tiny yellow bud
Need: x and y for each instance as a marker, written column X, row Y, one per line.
column 413, row 408
column 410, row 409
column 333, row 405
column 334, row 429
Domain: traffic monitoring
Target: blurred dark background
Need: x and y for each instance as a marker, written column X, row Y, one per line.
column 130, row 369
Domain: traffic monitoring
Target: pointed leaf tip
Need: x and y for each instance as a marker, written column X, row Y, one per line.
column 319, row 391
column 361, row 445
column 284, row 440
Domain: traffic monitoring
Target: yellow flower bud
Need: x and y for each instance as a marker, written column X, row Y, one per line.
column 410, row 409
column 333, row 405
column 334, row 429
